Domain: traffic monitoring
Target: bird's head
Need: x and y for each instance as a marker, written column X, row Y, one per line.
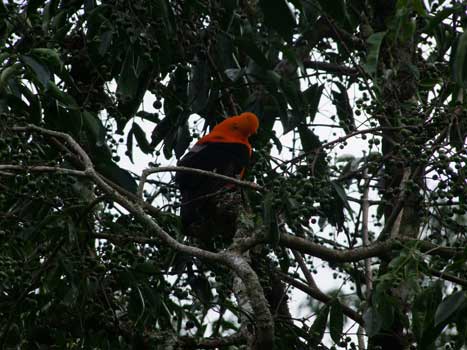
column 236, row 129
column 245, row 124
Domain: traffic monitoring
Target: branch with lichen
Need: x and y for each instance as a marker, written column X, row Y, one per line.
column 233, row 260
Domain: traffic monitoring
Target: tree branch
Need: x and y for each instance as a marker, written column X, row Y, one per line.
column 229, row 179
column 318, row 295
column 85, row 159
column 211, row 343
column 42, row 169
column 232, row 260
column 331, row 67
column 448, row 277
column 376, row 249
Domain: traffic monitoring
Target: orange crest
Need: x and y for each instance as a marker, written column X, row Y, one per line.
column 235, row 129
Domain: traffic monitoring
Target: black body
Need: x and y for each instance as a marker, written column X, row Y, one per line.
column 223, row 158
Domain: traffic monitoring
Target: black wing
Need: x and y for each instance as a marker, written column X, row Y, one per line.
column 224, row 158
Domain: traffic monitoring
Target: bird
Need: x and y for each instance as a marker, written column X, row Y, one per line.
column 209, row 214
column 225, row 150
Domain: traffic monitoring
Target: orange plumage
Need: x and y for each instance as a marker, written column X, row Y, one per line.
column 225, row 150
column 235, row 129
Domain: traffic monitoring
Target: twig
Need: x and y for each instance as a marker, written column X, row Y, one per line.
column 402, row 187
column 317, row 150
column 448, row 277
column 87, row 163
column 361, row 337
column 236, row 181
column 301, row 263
column 318, row 295
column 365, row 238
column 212, row 342
column 42, row 169
column 331, row 67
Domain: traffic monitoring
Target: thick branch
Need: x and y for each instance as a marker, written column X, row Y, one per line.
column 234, row 261
column 376, row 249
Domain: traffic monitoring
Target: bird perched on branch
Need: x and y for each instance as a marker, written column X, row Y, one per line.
column 209, row 208
column 225, row 150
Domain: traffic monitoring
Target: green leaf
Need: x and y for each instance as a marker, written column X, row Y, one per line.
column 119, row 176
column 179, row 84
column 147, row 268
column 438, row 18
column 95, row 128
column 129, row 145
column 423, row 312
column 140, row 136
column 336, row 10
column 249, row 47
column 374, row 44
column 342, row 196
column 310, row 141
column 61, row 96
column 35, row 107
column 161, row 130
column 296, row 101
column 164, row 33
column 16, row 104
column 48, row 56
column 42, row 73
column 340, row 99
column 336, row 320
column 407, row 29
column 3, row 57
column 461, row 326
column 269, row 219
column 202, row 288
column 279, row 17
column 419, row 7
column 127, row 83
column 7, row 73
column 458, row 133
column 182, row 140
column 373, row 321
column 105, row 42
column 449, row 306
column 384, row 304
column 200, row 84
column 311, row 145
column 284, row 260
column 318, row 327
column 460, row 62
column 136, row 305
column 312, row 96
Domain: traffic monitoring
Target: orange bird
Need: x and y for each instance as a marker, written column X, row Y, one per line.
column 225, row 150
